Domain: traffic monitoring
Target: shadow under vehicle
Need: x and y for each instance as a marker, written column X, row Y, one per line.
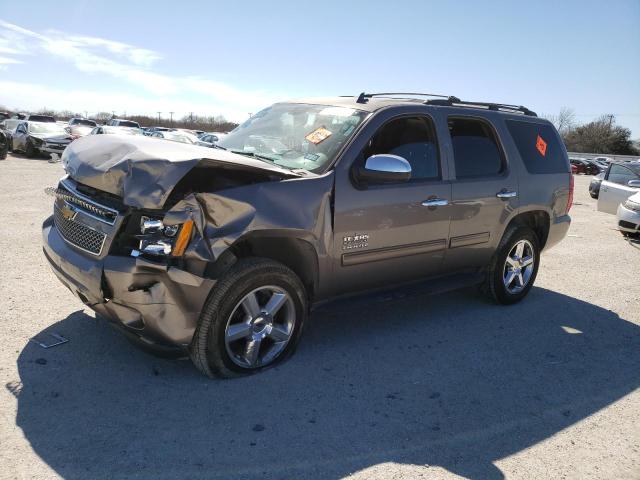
column 447, row 380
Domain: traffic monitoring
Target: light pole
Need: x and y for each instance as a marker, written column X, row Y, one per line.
column 171, row 118
column 159, row 117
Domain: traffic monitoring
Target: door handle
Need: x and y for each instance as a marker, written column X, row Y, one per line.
column 435, row 202
column 506, row 194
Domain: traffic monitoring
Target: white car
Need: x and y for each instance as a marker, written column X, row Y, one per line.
column 619, row 183
column 629, row 216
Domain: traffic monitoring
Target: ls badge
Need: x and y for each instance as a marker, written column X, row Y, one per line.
column 357, row 240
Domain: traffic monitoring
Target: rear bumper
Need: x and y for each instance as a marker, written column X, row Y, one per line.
column 557, row 230
column 153, row 303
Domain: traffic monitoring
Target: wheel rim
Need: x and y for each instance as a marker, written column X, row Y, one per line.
column 260, row 327
column 518, row 267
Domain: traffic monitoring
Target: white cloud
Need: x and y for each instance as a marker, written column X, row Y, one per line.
column 124, row 62
column 31, row 96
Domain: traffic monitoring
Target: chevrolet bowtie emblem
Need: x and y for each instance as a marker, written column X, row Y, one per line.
column 68, row 212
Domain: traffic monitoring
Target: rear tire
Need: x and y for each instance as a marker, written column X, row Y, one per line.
column 510, row 276
column 224, row 343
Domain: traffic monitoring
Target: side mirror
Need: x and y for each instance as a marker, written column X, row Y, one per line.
column 633, row 183
column 384, row 168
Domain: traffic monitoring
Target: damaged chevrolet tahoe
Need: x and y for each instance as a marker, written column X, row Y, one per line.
column 220, row 252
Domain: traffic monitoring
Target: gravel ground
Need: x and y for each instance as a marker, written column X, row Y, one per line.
column 392, row 386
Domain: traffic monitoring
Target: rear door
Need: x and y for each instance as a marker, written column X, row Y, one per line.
column 484, row 191
column 614, row 189
column 391, row 233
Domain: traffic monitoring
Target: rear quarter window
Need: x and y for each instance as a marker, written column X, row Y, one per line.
column 539, row 146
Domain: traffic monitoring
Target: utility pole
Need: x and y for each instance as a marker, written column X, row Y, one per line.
column 171, row 116
column 113, row 112
column 159, row 117
column 86, row 114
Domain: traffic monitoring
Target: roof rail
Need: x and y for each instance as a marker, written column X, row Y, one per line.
column 500, row 107
column 364, row 97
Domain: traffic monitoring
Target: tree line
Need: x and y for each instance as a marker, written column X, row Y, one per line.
column 602, row 135
column 211, row 123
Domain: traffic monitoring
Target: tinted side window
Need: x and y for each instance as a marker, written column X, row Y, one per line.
column 412, row 138
column 539, row 147
column 475, row 148
column 621, row 175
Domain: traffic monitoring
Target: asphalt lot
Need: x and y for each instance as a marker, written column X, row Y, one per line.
column 393, row 386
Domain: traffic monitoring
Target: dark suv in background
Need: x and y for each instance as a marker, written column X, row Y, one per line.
column 220, row 252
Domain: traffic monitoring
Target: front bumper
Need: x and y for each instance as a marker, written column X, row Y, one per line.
column 628, row 220
column 557, row 230
column 156, row 304
column 53, row 147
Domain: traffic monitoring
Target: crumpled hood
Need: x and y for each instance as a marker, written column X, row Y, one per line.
column 143, row 170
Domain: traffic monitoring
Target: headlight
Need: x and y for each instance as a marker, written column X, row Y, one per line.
column 158, row 239
column 36, row 141
column 635, row 206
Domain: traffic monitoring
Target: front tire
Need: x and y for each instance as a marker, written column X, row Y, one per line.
column 514, row 267
column 252, row 319
column 31, row 151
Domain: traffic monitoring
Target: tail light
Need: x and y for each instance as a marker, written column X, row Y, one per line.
column 570, row 199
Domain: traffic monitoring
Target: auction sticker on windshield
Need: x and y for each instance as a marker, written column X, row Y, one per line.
column 318, row 135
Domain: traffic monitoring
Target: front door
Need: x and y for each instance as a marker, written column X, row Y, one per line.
column 615, row 188
column 391, row 233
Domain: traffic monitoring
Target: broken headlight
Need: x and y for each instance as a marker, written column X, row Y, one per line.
column 159, row 239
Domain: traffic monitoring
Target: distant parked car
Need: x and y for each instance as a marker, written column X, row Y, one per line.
column 4, row 115
column 108, row 130
column 41, row 118
column 34, row 138
column 118, row 122
column 149, row 130
column 619, row 183
column 584, row 166
column 4, row 145
column 605, row 160
column 9, row 126
column 596, row 168
column 594, row 186
column 182, row 137
column 77, row 131
column 629, row 216
column 85, row 122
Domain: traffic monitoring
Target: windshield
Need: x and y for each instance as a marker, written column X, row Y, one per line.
column 179, row 137
column 122, row 130
column 295, row 135
column 81, row 121
column 125, row 123
column 46, row 128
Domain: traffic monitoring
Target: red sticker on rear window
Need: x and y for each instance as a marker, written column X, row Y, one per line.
column 541, row 145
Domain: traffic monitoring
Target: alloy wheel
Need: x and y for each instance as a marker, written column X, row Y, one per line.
column 518, row 267
column 260, row 327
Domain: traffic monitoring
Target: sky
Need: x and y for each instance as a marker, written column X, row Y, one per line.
column 234, row 58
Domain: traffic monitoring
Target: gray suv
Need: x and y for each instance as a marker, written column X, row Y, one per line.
column 220, row 253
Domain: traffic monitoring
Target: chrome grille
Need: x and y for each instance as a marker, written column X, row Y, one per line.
column 77, row 234
column 97, row 211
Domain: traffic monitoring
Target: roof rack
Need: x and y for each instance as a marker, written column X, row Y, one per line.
column 451, row 101
column 364, row 97
column 499, row 107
